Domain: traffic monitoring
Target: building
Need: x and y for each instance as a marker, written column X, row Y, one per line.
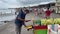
column 57, row 6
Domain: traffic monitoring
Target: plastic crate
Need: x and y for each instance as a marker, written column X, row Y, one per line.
column 40, row 29
column 37, row 22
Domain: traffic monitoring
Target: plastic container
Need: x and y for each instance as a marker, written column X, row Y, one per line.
column 40, row 29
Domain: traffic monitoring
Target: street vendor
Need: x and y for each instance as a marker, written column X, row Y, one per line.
column 47, row 13
column 20, row 20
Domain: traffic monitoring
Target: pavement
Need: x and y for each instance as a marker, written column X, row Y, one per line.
column 10, row 29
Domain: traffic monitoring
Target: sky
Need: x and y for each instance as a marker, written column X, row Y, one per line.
column 21, row 3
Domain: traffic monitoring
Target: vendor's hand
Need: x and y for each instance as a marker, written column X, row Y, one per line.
column 27, row 20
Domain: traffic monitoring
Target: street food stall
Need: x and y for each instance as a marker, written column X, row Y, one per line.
column 41, row 26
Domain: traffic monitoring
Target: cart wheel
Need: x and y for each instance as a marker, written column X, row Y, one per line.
column 27, row 29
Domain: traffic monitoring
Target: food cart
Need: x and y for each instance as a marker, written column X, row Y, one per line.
column 41, row 26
